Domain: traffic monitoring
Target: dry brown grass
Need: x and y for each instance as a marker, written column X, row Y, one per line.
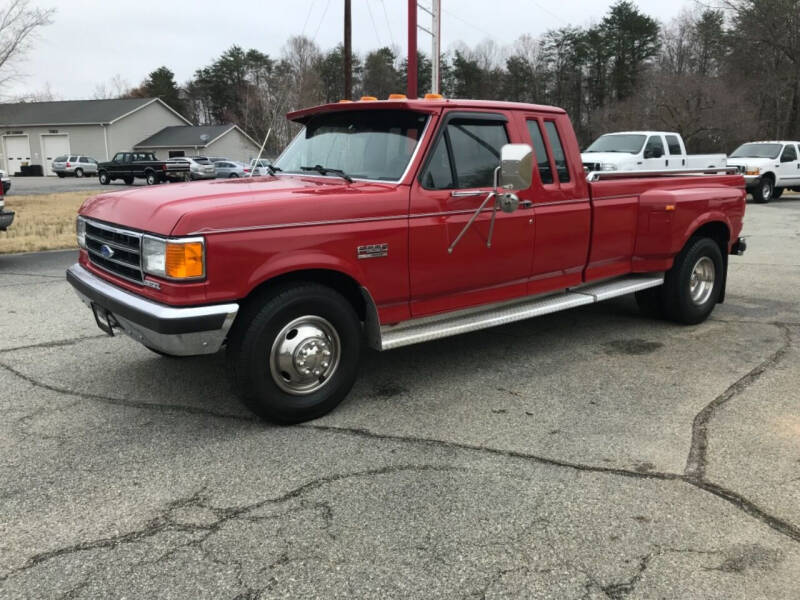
column 45, row 222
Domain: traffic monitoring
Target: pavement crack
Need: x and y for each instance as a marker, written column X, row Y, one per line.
column 365, row 433
column 696, row 461
column 170, row 408
column 618, row 591
column 54, row 344
column 166, row 522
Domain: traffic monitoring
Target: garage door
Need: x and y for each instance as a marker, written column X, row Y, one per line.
column 52, row 147
column 18, row 152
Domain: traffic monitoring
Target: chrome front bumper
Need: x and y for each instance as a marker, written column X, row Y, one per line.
column 178, row 331
column 751, row 180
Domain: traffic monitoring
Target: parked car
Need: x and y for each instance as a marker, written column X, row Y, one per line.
column 6, row 181
column 6, row 216
column 768, row 168
column 199, row 166
column 227, row 169
column 482, row 216
column 645, row 151
column 215, row 159
column 76, row 165
column 142, row 165
column 260, row 166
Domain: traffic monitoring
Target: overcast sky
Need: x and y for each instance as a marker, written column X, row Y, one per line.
column 91, row 41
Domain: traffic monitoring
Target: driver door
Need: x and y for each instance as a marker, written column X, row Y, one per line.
column 454, row 181
column 653, row 157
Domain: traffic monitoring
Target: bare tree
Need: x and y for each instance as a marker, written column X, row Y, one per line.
column 19, row 22
column 116, row 87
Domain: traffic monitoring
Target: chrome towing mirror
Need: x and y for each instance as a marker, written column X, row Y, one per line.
column 515, row 173
column 516, row 167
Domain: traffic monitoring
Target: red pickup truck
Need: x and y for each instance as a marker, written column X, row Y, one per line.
column 394, row 222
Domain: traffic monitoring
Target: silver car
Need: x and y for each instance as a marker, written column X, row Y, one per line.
column 199, row 166
column 74, row 164
column 230, row 168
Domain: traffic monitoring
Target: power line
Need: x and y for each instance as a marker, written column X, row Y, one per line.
column 371, row 18
column 310, row 8
column 455, row 16
column 552, row 14
column 321, row 21
column 388, row 25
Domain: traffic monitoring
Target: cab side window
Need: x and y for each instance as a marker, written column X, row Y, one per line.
column 654, row 147
column 540, row 152
column 789, row 153
column 466, row 154
column 674, row 145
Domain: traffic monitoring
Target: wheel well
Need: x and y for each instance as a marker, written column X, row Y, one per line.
column 344, row 284
column 717, row 231
column 769, row 176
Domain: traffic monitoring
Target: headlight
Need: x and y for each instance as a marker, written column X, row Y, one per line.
column 608, row 167
column 752, row 171
column 80, row 230
column 174, row 259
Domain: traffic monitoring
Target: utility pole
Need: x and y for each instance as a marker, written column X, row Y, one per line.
column 436, row 45
column 435, row 32
column 348, row 53
column 412, row 49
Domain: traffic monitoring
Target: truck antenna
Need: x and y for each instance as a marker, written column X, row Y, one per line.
column 260, row 151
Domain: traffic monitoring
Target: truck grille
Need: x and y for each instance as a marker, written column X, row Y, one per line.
column 118, row 251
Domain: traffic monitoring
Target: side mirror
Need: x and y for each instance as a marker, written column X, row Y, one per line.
column 516, row 167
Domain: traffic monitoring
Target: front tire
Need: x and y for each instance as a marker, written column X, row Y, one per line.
column 104, row 178
column 294, row 355
column 233, row 176
column 693, row 285
column 765, row 190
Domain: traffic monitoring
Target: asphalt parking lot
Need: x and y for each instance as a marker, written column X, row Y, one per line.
column 21, row 186
column 588, row 454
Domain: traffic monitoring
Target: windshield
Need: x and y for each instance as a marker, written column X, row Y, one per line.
column 631, row 144
column 757, row 151
column 370, row 144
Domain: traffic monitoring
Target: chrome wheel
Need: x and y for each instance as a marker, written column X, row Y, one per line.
column 304, row 355
column 766, row 190
column 701, row 282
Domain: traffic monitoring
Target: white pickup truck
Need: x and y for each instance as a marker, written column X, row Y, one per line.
column 645, row 151
column 768, row 168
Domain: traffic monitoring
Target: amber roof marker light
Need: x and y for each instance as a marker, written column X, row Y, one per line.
column 434, row 97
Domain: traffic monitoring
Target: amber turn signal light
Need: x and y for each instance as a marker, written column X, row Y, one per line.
column 184, row 260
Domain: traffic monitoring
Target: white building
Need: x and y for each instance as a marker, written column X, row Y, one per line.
column 226, row 141
column 34, row 133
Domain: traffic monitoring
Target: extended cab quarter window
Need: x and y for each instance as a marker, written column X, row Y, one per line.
column 559, row 157
column 540, row 152
column 466, row 154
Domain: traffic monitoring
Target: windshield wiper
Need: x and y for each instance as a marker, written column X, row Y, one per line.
column 325, row 170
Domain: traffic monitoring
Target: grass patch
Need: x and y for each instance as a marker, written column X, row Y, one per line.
column 43, row 222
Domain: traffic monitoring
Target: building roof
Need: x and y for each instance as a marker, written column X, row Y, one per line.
column 73, row 112
column 183, row 136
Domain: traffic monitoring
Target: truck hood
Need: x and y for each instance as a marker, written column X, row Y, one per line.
column 208, row 206
column 615, row 158
column 751, row 162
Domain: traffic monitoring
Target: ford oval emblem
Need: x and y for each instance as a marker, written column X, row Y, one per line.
column 106, row 251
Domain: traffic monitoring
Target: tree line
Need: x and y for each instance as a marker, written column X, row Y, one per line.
column 719, row 76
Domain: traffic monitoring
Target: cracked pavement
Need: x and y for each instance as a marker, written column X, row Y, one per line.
column 588, row 454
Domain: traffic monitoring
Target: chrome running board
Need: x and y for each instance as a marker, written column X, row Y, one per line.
column 483, row 317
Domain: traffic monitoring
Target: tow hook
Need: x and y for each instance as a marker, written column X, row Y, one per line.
column 739, row 247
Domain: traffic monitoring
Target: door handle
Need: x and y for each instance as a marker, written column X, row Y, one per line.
column 525, row 203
